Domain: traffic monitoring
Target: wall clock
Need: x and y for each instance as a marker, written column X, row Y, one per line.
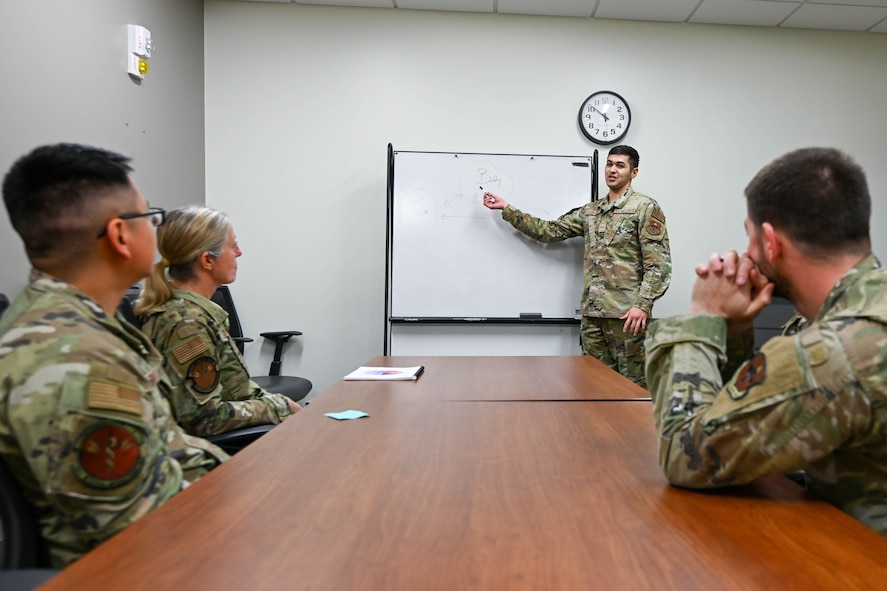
column 604, row 117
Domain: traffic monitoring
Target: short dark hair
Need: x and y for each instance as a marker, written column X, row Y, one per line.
column 633, row 157
column 50, row 193
column 818, row 196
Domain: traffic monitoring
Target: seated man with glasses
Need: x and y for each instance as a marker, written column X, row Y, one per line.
column 85, row 426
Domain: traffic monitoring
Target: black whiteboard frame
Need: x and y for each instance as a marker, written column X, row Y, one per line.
column 483, row 320
column 413, row 320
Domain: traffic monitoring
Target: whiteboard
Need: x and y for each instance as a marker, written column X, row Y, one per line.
column 451, row 257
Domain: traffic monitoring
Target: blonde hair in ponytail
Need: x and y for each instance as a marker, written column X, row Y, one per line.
column 187, row 233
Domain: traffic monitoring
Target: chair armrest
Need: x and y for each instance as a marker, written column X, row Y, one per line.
column 25, row 578
column 234, row 441
column 281, row 335
column 280, row 338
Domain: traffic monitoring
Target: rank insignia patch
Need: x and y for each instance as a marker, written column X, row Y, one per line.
column 753, row 373
column 204, row 375
column 108, row 455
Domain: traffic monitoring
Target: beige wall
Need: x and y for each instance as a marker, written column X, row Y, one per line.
column 64, row 79
column 303, row 100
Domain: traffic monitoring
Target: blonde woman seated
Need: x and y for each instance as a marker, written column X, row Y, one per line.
column 214, row 393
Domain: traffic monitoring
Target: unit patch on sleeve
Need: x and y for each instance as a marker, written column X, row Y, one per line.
column 204, row 374
column 108, row 455
column 655, row 224
column 753, row 373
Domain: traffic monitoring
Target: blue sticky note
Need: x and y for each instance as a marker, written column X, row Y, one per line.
column 346, row 415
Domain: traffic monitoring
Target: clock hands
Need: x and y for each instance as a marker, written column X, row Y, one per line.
column 603, row 114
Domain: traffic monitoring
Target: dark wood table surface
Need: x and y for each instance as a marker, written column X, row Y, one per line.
column 430, row 493
column 506, row 378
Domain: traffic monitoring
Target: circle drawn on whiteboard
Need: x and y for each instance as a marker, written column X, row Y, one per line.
column 417, row 209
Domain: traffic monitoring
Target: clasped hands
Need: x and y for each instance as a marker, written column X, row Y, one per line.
column 732, row 287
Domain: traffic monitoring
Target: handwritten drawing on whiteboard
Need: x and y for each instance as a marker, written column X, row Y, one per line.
column 450, row 256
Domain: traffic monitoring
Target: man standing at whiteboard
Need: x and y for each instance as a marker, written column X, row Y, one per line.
column 627, row 262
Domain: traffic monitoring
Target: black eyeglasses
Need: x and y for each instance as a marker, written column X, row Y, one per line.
column 157, row 215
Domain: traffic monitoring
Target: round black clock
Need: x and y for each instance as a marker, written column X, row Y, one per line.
column 604, row 117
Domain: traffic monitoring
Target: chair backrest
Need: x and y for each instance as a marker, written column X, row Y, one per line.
column 770, row 321
column 291, row 386
column 21, row 543
column 126, row 306
column 223, row 298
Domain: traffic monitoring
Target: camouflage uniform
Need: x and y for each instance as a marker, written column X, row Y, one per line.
column 84, row 426
column 627, row 264
column 813, row 400
column 214, row 393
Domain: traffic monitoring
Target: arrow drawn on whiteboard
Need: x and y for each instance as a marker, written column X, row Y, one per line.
column 451, row 200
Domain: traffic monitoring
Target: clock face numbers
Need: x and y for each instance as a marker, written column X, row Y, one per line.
column 604, row 117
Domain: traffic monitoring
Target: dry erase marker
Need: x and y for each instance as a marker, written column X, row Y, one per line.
column 489, row 197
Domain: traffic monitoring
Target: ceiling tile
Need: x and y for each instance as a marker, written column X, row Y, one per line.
column 646, row 10
column 839, row 18
column 448, row 5
column 749, row 12
column 882, row 3
column 549, row 7
column 848, row 15
column 358, row 3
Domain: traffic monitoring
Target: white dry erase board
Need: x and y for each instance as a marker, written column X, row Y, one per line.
column 451, row 258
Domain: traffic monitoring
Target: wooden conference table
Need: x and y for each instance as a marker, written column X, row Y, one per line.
column 452, row 483
column 503, row 379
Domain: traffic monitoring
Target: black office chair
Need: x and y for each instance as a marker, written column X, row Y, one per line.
column 126, row 305
column 21, row 540
column 23, row 561
column 770, row 322
column 293, row 387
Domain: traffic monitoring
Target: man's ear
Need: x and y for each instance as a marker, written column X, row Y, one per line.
column 773, row 242
column 118, row 238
